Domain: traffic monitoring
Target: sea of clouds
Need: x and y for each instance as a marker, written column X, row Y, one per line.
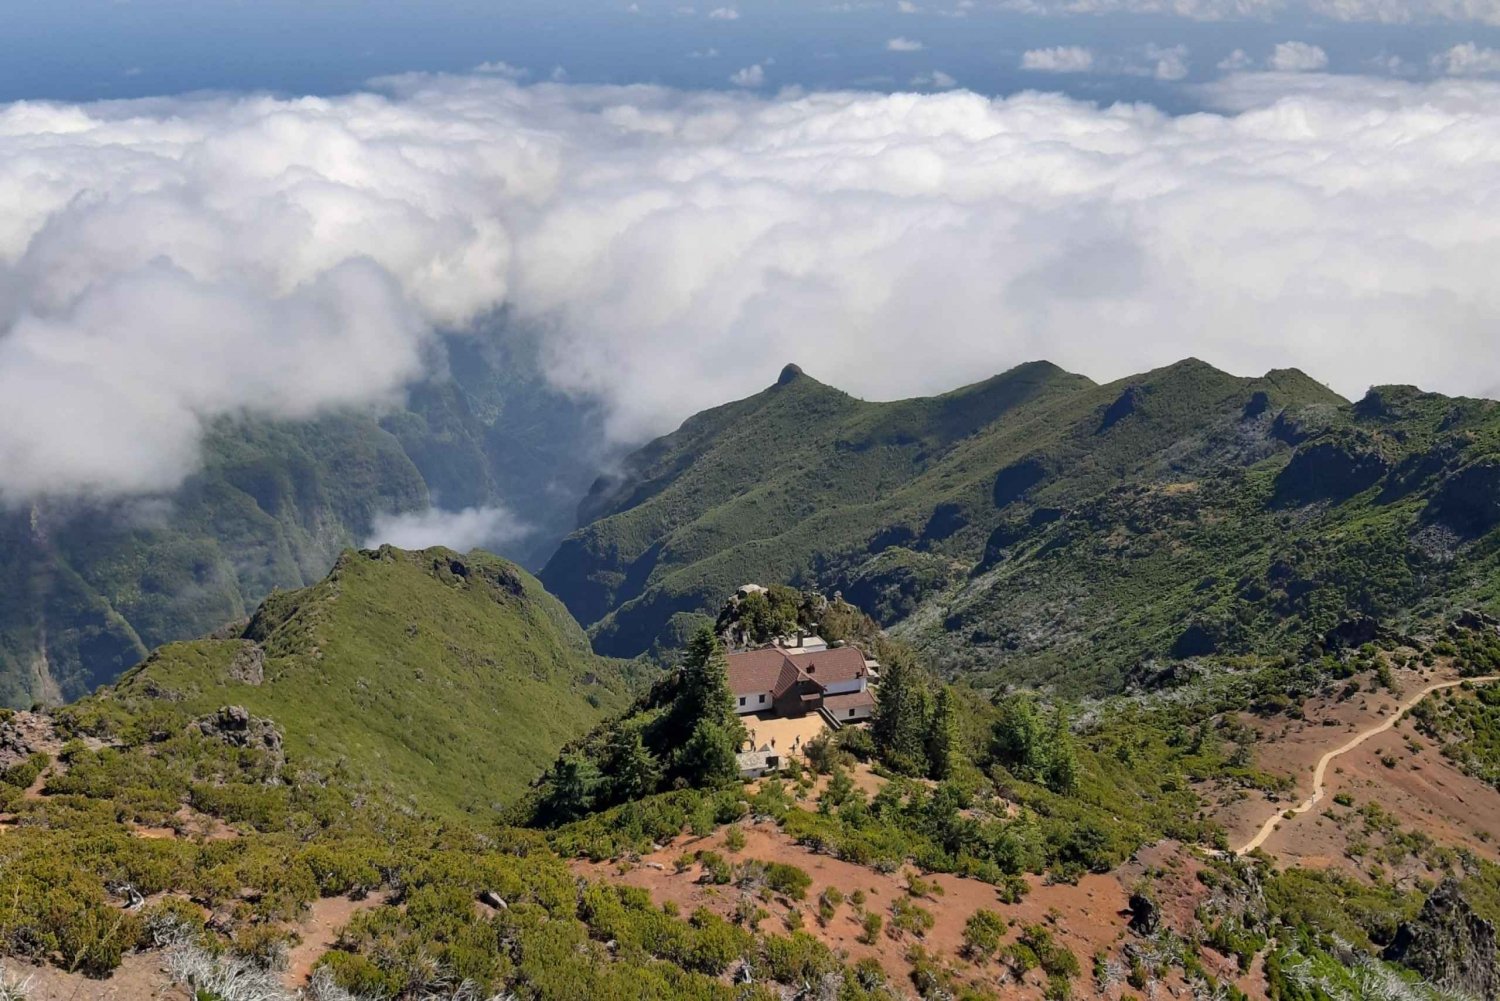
column 166, row 263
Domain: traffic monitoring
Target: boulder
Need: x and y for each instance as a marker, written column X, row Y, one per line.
column 236, row 727
column 249, row 664
column 1145, row 915
column 1450, row 945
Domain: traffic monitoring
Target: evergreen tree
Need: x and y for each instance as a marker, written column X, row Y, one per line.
column 705, row 710
column 1060, row 773
column 708, row 757
column 943, row 750
column 903, row 713
column 1018, row 742
column 704, row 691
column 632, row 769
column 575, row 785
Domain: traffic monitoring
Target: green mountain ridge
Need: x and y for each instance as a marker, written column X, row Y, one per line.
column 88, row 588
column 451, row 680
column 1041, row 528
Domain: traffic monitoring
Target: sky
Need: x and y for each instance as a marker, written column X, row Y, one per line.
column 210, row 210
column 1094, row 49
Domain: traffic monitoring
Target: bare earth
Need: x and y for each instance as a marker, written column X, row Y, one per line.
column 319, row 931
column 139, row 978
column 1087, row 917
column 1373, row 729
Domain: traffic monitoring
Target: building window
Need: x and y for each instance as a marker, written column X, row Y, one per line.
column 762, row 700
column 851, row 712
column 742, row 700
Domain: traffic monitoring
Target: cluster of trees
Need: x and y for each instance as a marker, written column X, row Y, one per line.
column 1034, row 746
column 915, row 728
column 644, row 752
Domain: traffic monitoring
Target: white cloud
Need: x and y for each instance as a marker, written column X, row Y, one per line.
column 1348, row 11
column 904, row 45
column 1167, row 63
column 171, row 262
column 936, row 80
column 907, row 7
column 750, row 76
column 1297, row 57
column 503, row 69
column 1467, row 59
column 724, row 14
column 1060, row 59
column 470, row 528
column 1236, row 62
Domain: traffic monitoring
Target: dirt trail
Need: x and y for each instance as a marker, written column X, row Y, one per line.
column 1322, row 769
column 320, row 930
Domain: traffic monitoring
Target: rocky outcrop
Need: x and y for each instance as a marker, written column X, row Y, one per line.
column 23, row 734
column 1450, row 945
column 1014, row 481
column 1125, row 404
column 1330, row 469
column 249, row 665
column 1145, row 915
column 236, row 727
column 1469, row 500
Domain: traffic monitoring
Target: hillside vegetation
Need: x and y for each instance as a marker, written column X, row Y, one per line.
column 1038, row 528
column 447, row 680
column 88, row 588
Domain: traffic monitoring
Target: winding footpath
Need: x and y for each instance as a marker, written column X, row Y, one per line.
column 1322, row 769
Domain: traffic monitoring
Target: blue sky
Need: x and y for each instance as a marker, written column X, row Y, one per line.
column 100, row 49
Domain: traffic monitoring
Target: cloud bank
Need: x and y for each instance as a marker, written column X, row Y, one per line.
column 470, row 528
column 167, row 263
column 1344, row 11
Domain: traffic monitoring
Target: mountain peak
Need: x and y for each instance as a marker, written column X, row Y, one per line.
column 790, row 374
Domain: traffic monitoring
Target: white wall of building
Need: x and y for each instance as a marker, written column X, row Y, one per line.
column 757, row 702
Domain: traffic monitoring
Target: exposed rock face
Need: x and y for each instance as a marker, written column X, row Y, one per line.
column 249, row 665
column 236, row 727
column 1145, row 916
column 1469, row 500
column 1450, row 945
column 23, row 735
column 1126, row 404
column 1333, row 469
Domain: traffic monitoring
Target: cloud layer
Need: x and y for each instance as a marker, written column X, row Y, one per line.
column 166, row 263
column 470, row 528
column 1347, row 11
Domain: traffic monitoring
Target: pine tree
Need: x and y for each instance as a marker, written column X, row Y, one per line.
column 705, row 710
column 575, row 784
column 1061, row 769
column 632, row 769
column 704, row 692
column 943, row 750
column 708, row 757
column 1018, row 741
column 903, row 713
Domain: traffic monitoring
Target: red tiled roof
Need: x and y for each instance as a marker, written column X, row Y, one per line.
column 775, row 670
column 828, row 667
column 756, row 670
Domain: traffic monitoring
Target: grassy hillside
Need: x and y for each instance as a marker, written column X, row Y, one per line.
column 449, row 680
column 87, row 589
column 910, row 507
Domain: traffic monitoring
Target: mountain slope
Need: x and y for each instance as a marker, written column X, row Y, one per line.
column 450, row 679
column 87, row 589
column 733, row 494
column 896, row 503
